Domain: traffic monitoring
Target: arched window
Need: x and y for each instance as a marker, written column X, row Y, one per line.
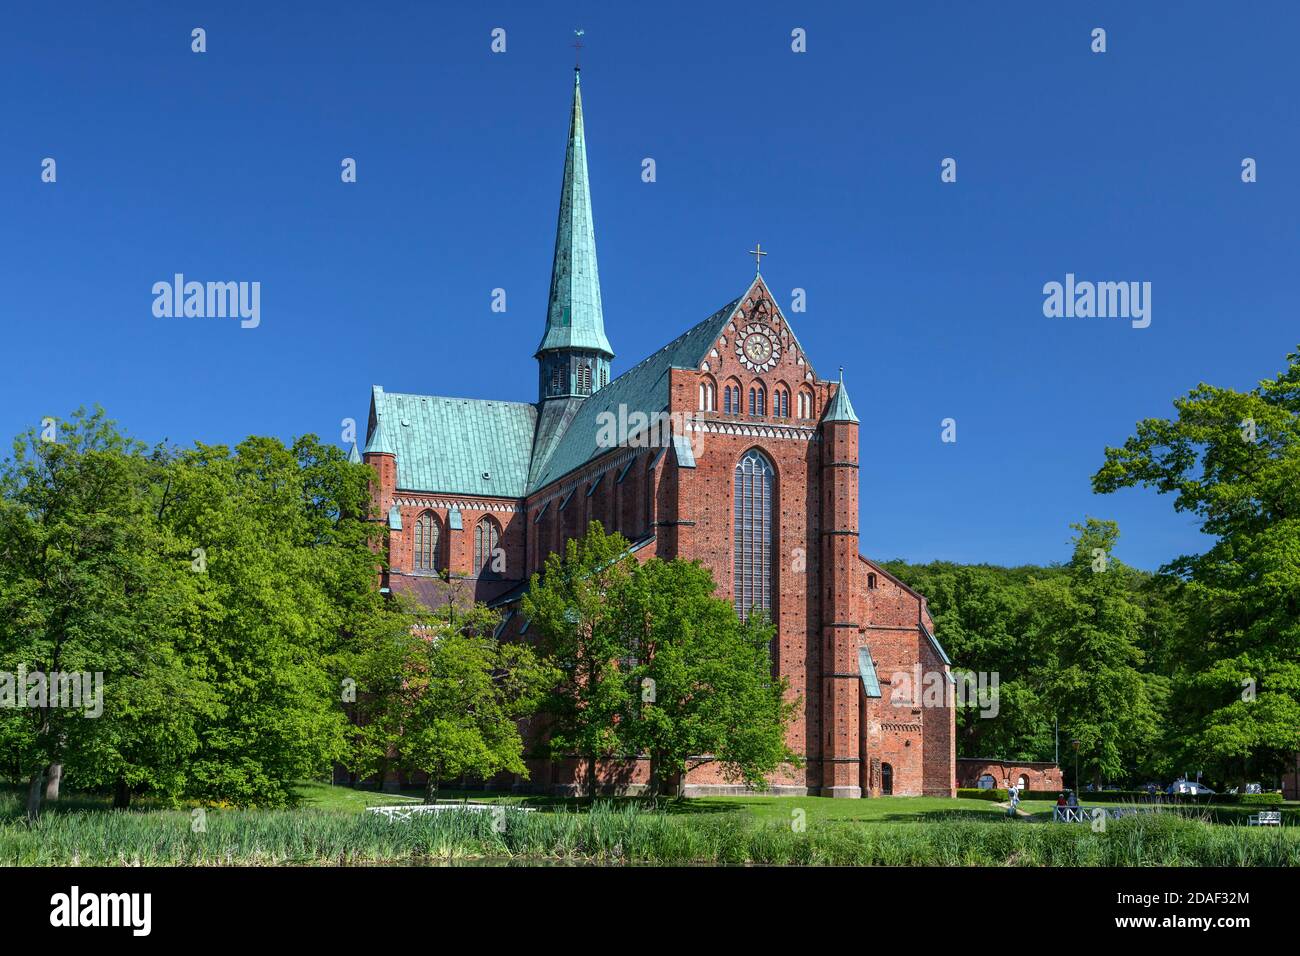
column 752, row 555
column 757, row 400
column 604, row 375
column 731, row 400
column 986, row 781
column 805, row 404
column 584, row 378
column 557, row 380
column 781, row 403
column 428, row 541
column 871, row 580
column 706, row 396
column 886, row 779
column 1023, row 782
column 487, row 538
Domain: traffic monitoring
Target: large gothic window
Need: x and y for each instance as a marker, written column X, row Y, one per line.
column 752, row 557
column 428, row 538
column 487, row 538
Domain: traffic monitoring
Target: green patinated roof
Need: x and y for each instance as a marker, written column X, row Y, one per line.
column 448, row 444
column 642, row 388
column 354, row 456
column 574, row 317
column 379, row 441
column 840, row 408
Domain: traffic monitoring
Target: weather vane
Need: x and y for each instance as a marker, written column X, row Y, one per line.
column 577, row 46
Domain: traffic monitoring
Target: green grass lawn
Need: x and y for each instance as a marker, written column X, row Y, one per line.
column 760, row 808
column 315, row 795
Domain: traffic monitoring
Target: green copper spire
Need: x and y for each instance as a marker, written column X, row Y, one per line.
column 380, row 443
column 840, row 409
column 575, row 322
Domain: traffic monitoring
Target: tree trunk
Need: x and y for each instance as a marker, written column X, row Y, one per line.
column 54, row 776
column 591, row 778
column 431, row 788
column 34, row 796
column 122, row 796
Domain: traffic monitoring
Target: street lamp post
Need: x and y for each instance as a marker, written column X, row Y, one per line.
column 1075, row 742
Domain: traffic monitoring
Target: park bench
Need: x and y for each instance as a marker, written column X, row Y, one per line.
column 1265, row 818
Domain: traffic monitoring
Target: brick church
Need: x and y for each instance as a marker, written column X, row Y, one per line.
column 756, row 477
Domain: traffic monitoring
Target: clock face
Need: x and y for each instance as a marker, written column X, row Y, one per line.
column 757, row 348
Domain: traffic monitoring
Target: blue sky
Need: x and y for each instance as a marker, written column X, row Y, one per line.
column 1122, row 166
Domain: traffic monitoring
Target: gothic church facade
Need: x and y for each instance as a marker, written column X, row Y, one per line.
column 760, row 484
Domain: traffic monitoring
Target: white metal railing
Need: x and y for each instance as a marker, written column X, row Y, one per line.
column 1071, row 814
column 1088, row 814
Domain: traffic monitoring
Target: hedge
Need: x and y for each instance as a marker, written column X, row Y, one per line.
column 1259, row 799
column 975, row 793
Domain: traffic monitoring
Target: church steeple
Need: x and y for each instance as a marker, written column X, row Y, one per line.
column 574, row 354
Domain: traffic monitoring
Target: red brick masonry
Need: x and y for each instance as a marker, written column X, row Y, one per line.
column 1032, row 775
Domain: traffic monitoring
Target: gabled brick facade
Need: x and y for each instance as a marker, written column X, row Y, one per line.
column 676, row 499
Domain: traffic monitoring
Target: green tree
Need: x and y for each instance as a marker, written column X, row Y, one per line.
column 1232, row 459
column 706, row 689
column 1093, row 678
column 579, row 633
column 466, row 694
column 286, row 584
column 90, row 583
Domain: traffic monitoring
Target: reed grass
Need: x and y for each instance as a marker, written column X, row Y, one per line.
column 627, row 833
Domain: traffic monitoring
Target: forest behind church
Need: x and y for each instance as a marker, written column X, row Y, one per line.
column 1195, row 668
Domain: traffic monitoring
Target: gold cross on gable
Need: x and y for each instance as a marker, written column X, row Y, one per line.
column 757, row 252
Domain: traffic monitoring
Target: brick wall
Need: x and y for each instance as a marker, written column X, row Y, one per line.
column 1007, row 773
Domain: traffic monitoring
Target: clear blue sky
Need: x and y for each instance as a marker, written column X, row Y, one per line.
column 225, row 166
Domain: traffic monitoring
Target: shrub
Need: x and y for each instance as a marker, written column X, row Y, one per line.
column 1260, row 799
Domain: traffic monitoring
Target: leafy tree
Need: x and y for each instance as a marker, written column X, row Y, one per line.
column 287, row 580
column 707, row 689
column 1232, row 459
column 1093, row 680
column 89, row 583
column 578, row 630
column 620, row 632
column 466, row 694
